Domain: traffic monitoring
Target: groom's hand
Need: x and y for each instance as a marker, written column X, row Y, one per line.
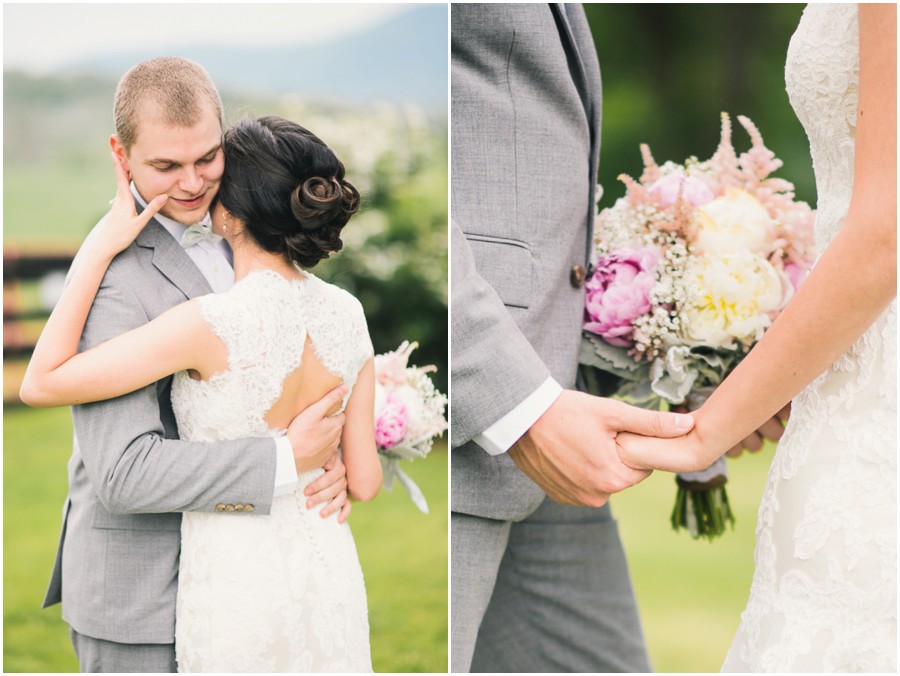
column 570, row 452
column 316, row 431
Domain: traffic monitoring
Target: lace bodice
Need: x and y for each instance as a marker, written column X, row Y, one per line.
column 823, row 597
column 257, row 593
column 822, row 78
column 263, row 322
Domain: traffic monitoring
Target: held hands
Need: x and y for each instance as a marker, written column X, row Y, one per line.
column 570, row 452
column 692, row 452
column 123, row 224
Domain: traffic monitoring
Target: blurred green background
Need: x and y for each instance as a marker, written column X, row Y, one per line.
column 670, row 69
column 377, row 95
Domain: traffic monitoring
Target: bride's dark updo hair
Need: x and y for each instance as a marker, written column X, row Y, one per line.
column 287, row 187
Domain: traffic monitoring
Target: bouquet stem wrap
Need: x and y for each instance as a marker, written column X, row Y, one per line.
column 701, row 502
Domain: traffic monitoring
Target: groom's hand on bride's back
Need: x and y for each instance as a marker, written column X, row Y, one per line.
column 315, row 432
column 570, row 452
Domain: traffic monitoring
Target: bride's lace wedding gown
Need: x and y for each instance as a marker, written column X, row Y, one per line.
column 281, row 592
column 824, row 593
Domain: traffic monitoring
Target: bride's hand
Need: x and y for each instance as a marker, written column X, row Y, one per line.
column 123, row 223
column 681, row 454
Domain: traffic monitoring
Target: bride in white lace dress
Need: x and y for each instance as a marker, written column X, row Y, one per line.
column 824, row 591
column 282, row 592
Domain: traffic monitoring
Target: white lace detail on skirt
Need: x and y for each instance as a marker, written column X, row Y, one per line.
column 282, row 592
column 823, row 597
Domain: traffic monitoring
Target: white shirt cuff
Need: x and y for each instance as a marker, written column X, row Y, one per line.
column 285, row 467
column 499, row 437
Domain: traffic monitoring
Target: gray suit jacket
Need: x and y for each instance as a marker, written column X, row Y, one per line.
column 525, row 93
column 129, row 477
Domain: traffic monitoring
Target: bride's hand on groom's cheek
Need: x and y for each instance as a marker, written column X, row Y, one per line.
column 122, row 224
column 570, row 452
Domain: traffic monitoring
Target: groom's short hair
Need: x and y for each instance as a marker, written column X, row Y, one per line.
column 176, row 89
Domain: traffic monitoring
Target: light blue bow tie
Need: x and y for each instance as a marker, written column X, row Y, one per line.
column 197, row 233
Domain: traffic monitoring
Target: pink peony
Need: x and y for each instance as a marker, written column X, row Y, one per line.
column 390, row 427
column 618, row 292
column 668, row 188
column 796, row 274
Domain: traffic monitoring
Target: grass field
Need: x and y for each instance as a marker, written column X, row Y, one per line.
column 690, row 593
column 403, row 554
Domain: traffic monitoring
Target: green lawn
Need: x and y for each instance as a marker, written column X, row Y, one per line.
column 690, row 592
column 403, row 554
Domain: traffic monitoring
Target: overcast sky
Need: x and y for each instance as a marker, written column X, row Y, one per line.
column 40, row 37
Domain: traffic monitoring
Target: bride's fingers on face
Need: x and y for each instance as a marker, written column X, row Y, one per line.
column 123, row 184
column 152, row 209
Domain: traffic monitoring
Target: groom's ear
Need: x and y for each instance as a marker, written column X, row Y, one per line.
column 119, row 150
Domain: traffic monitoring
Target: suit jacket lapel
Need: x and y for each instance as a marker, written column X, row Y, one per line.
column 590, row 68
column 573, row 52
column 172, row 260
column 575, row 34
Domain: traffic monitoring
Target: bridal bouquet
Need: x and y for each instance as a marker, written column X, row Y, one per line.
column 689, row 269
column 409, row 414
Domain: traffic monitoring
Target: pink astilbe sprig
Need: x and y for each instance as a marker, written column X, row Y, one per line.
column 635, row 192
column 724, row 163
column 390, row 367
column 758, row 162
column 651, row 169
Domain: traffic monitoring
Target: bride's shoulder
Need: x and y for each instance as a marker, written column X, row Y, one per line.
column 336, row 294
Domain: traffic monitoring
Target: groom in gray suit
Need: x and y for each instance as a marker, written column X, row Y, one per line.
column 129, row 476
column 539, row 579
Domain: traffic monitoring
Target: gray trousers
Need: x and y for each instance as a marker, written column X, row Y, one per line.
column 548, row 594
column 97, row 656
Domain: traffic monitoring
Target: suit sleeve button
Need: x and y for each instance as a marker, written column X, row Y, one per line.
column 248, row 508
column 220, row 507
column 229, row 508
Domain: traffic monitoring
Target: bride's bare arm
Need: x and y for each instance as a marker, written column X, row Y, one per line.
column 851, row 285
column 178, row 339
column 358, row 438
column 58, row 375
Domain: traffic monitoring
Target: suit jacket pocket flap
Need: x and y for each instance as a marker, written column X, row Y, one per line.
column 506, row 265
